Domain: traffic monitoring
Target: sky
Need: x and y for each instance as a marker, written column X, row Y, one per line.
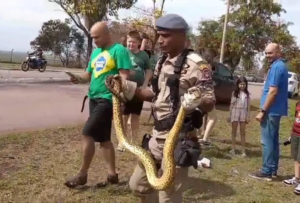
column 20, row 20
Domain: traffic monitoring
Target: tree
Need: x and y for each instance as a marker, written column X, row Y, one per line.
column 145, row 21
column 60, row 38
column 91, row 11
column 250, row 28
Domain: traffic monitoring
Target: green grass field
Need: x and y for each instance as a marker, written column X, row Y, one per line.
column 33, row 167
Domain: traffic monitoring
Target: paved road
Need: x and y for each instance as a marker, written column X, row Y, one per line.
column 29, row 106
column 37, row 106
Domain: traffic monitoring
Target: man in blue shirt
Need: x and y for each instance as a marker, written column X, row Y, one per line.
column 274, row 105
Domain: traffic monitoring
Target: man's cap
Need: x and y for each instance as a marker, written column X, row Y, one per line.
column 171, row 22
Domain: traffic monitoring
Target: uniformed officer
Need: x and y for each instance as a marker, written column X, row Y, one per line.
column 195, row 90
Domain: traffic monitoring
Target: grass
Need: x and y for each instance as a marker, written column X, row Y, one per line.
column 33, row 167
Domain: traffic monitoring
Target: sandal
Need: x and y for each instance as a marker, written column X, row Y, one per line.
column 111, row 180
column 76, row 181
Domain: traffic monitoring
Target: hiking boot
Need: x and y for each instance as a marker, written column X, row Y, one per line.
column 260, row 175
column 291, row 182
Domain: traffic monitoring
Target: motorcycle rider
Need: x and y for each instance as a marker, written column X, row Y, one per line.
column 39, row 54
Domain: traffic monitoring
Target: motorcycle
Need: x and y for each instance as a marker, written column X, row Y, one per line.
column 31, row 63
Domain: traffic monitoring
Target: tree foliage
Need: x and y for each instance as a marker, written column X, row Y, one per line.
column 84, row 13
column 250, row 28
column 144, row 22
column 61, row 39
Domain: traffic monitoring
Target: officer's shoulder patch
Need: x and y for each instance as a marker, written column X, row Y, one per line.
column 195, row 57
column 203, row 66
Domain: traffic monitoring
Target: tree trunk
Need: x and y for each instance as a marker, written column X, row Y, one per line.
column 89, row 49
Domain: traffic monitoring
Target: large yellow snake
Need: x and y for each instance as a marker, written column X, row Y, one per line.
column 167, row 178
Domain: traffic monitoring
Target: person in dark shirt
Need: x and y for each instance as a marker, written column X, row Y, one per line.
column 39, row 53
column 295, row 151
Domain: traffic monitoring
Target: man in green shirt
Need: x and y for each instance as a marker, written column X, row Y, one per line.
column 141, row 74
column 108, row 59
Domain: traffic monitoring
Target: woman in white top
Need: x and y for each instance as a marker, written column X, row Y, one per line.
column 239, row 112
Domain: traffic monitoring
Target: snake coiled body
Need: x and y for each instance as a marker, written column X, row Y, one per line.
column 167, row 178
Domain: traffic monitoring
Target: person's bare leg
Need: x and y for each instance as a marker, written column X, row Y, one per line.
column 203, row 127
column 297, row 170
column 243, row 137
column 134, row 126
column 211, row 121
column 233, row 135
column 88, row 149
column 108, row 153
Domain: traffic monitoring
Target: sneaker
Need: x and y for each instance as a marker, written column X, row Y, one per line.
column 261, row 176
column 244, row 154
column 232, row 152
column 274, row 175
column 297, row 190
column 291, row 182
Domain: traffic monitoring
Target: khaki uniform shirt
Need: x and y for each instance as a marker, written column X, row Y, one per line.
column 195, row 72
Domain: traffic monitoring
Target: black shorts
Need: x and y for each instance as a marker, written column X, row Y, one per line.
column 295, row 147
column 133, row 107
column 98, row 125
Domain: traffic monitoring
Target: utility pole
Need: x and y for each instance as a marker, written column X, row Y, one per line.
column 224, row 31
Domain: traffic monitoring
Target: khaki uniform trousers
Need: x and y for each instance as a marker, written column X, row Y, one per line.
column 139, row 183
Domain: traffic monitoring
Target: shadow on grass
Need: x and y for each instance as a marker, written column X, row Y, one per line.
column 227, row 141
column 282, row 178
column 258, row 153
column 121, row 189
column 203, row 189
column 196, row 189
column 217, row 152
column 225, row 107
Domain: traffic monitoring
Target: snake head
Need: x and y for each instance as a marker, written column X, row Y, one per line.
column 114, row 84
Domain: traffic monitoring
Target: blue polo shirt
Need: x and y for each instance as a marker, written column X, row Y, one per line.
column 277, row 77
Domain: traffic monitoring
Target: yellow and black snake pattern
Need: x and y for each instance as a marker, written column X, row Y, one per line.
column 167, row 178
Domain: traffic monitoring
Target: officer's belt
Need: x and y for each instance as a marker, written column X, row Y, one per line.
column 164, row 124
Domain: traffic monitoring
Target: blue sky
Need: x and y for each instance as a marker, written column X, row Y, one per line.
column 20, row 20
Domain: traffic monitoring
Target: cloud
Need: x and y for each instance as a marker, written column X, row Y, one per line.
column 20, row 20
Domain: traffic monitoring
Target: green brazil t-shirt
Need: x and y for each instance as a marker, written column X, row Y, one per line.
column 106, row 62
column 140, row 63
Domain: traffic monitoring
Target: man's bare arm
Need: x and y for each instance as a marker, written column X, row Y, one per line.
column 144, row 94
column 144, row 44
column 124, row 73
column 148, row 76
column 270, row 97
column 85, row 77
